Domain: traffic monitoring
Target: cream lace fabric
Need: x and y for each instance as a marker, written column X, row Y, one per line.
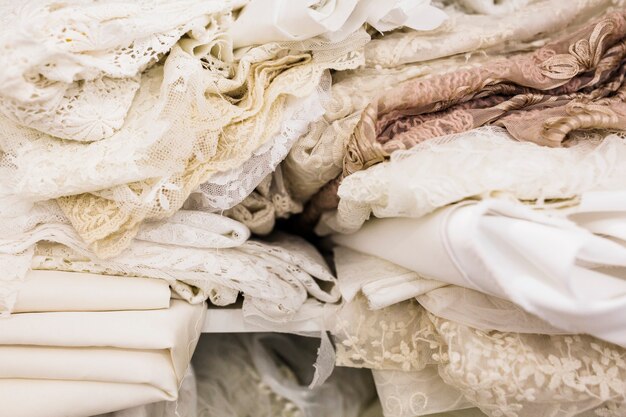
column 445, row 170
column 227, row 189
column 503, row 374
column 72, row 69
column 265, row 21
column 145, row 171
column 265, row 375
column 201, row 255
column 520, row 24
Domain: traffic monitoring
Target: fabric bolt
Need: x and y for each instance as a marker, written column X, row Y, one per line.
column 499, row 372
column 579, row 288
column 128, row 358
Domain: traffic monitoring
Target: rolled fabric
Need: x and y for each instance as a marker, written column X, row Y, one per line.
column 511, row 254
column 95, row 362
column 49, row 291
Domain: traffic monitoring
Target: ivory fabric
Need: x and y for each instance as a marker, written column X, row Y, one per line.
column 579, row 288
column 50, row 291
column 121, row 358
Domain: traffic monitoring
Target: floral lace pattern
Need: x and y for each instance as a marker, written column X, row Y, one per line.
column 503, row 374
column 418, row 181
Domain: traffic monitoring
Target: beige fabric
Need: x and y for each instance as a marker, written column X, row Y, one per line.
column 116, row 359
column 48, row 291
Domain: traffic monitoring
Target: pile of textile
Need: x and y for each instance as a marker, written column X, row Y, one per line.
column 438, row 188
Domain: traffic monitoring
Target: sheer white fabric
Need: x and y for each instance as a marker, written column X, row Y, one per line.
column 266, row 375
column 503, row 374
column 264, row 21
column 579, row 288
column 448, row 169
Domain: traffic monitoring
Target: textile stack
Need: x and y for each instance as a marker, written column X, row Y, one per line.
column 312, row 208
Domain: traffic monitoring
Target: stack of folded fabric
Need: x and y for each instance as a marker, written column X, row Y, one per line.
column 462, row 159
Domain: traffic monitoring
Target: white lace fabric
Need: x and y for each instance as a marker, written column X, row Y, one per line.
column 71, row 69
column 519, row 25
column 145, row 171
column 449, row 169
column 227, row 189
column 201, row 255
column 503, row 374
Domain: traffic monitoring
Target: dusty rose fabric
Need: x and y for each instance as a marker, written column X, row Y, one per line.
column 576, row 82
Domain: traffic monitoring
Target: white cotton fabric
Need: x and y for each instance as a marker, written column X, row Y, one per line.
column 116, row 359
column 49, row 291
column 578, row 288
column 384, row 284
column 264, row 21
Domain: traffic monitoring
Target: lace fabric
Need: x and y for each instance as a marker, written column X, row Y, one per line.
column 151, row 178
column 201, row 255
column 503, row 374
column 227, row 189
column 417, row 181
column 519, row 24
column 71, row 69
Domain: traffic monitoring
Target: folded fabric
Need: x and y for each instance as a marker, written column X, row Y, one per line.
column 45, row 222
column 185, row 406
column 49, row 291
column 473, row 27
column 384, row 284
column 525, row 375
column 227, row 189
column 142, row 354
column 264, row 21
column 578, row 288
column 481, row 162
